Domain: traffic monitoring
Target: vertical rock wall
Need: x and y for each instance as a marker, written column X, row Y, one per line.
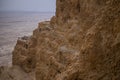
column 82, row 42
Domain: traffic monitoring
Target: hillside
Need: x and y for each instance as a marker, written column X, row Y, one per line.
column 81, row 42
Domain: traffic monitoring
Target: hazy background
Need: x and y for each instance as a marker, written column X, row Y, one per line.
column 28, row 5
column 19, row 18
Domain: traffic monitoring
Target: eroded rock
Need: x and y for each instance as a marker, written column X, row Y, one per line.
column 82, row 42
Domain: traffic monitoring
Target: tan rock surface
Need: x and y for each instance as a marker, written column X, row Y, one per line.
column 15, row 73
column 24, row 53
column 82, row 42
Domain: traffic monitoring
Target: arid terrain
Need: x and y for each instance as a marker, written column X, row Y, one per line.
column 14, row 25
column 81, row 42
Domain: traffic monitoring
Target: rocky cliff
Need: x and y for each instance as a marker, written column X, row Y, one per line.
column 81, row 42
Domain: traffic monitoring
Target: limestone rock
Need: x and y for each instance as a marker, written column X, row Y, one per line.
column 24, row 53
column 81, row 42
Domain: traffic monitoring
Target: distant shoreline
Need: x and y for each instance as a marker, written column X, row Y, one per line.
column 26, row 12
column 14, row 25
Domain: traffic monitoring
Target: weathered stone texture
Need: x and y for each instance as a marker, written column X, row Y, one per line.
column 81, row 42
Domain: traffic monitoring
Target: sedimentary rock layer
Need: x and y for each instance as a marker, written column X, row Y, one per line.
column 81, row 42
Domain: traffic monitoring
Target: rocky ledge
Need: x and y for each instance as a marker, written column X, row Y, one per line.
column 81, row 42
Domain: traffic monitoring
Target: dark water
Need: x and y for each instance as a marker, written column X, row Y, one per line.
column 14, row 25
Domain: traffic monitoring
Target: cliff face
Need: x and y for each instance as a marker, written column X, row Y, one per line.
column 24, row 53
column 82, row 42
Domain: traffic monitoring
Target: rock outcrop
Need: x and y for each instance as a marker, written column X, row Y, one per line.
column 24, row 53
column 81, row 42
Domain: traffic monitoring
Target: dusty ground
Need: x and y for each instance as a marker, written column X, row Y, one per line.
column 15, row 73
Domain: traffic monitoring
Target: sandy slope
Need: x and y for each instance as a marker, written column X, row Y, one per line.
column 15, row 73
